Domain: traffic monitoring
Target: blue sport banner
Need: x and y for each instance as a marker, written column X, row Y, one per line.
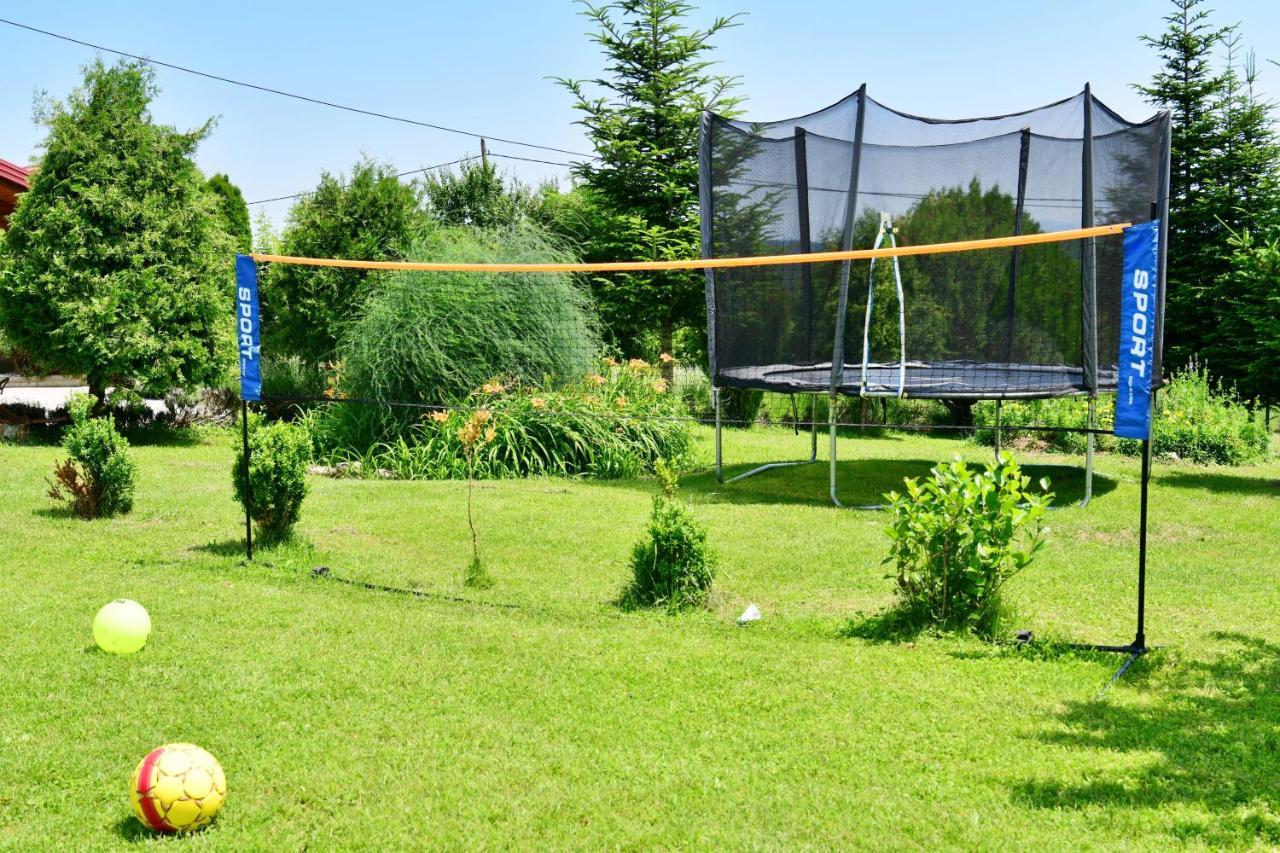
column 1139, row 301
column 248, row 330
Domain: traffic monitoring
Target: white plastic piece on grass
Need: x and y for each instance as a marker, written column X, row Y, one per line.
column 751, row 614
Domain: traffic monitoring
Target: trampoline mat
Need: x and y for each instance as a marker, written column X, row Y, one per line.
column 940, row 380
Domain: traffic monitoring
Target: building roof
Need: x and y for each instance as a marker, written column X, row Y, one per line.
column 19, row 177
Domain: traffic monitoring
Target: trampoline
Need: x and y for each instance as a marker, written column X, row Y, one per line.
column 1012, row 323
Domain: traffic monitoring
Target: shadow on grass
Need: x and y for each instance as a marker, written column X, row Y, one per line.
column 223, row 548
column 58, row 511
column 894, row 624
column 1209, row 739
column 863, row 482
column 1214, row 481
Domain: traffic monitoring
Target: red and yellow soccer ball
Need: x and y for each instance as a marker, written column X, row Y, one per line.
column 178, row 787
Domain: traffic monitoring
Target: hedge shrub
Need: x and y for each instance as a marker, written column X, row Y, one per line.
column 99, row 477
column 278, row 457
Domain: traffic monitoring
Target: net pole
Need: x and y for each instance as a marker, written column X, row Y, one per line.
column 1089, row 267
column 706, row 211
column 1015, row 260
column 806, row 245
column 248, row 486
column 846, row 243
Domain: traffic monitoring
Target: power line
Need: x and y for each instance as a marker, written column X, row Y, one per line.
column 398, row 175
column 295, row 96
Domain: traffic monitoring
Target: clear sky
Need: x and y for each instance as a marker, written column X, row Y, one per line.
column 486, row 67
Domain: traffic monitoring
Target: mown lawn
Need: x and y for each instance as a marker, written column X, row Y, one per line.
column 542, row 716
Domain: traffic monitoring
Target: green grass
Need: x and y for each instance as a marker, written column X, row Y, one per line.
column 347, row 718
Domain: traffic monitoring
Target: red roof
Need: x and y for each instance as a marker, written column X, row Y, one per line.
column 18, row 176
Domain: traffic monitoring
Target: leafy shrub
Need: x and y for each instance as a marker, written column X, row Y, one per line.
column 1196, row 418
column 99, row 477
column 959, row 536
column 427, row 337
column 613, row 423
column 278, row 458
column 673, row 566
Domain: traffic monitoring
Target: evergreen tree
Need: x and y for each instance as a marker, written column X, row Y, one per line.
column 117, row 266
column 645, row 184
column 235, row 213
column 1237, row 347
column 477, row 195
column 1192, row 90
column 370, row 217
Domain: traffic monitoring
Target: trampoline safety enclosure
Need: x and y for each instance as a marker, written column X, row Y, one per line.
column 1019, row 322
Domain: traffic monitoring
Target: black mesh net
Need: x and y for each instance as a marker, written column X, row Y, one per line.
column 1031, row 321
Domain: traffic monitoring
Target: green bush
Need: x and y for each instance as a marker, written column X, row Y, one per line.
column 673, row 566
column 428, row 337
column 613, row 423
column 98, row 479
column 1196, row 418
column 958, row 537
column 278, row 458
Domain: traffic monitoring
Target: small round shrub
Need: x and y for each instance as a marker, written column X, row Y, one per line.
column 99, row 477
column 673, row 566
column 278, row 457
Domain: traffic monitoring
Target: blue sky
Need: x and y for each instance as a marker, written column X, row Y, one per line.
column 485, row 67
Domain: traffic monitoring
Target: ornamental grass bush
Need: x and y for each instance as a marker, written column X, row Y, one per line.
column 957, row 537
column 615, row 421
column 434, row 337
column 99, row 476
column 1196, row 418
column 277, row 478
column 672, row 567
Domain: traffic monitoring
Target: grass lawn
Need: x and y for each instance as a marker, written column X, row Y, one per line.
column 347, row 718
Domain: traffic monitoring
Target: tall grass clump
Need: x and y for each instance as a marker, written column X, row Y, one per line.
column 433, row 337
column 1197, row 419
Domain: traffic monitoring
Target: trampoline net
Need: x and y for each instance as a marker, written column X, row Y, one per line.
column 1030, row 321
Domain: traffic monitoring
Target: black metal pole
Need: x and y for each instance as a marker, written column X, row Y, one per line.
column 806, row 246
column 248, row 486
column 1140, row 639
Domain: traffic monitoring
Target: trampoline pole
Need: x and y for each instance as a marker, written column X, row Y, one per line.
column 715, row 394
column 1090, row 440
column 831, row 421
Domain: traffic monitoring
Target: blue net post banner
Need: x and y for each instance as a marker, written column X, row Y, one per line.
column 1139, row 299
column 248, row 329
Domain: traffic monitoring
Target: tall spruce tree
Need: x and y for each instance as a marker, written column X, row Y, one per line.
column 1188, row 85
column 644, row 127
column 235, row 213
column 1236, row 346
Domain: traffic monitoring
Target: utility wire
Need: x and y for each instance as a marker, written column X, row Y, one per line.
column 398, row 175
column 295, row 96
column 431, row 169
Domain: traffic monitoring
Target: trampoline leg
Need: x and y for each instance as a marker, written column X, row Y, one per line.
column 1088, row 453
column 715, row 402
column 831, row 431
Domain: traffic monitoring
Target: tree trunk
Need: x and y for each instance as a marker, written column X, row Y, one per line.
column 98, row 390
column 961, row 411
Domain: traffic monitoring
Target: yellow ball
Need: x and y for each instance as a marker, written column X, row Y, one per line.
column 121, row 627
column 177, row 788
